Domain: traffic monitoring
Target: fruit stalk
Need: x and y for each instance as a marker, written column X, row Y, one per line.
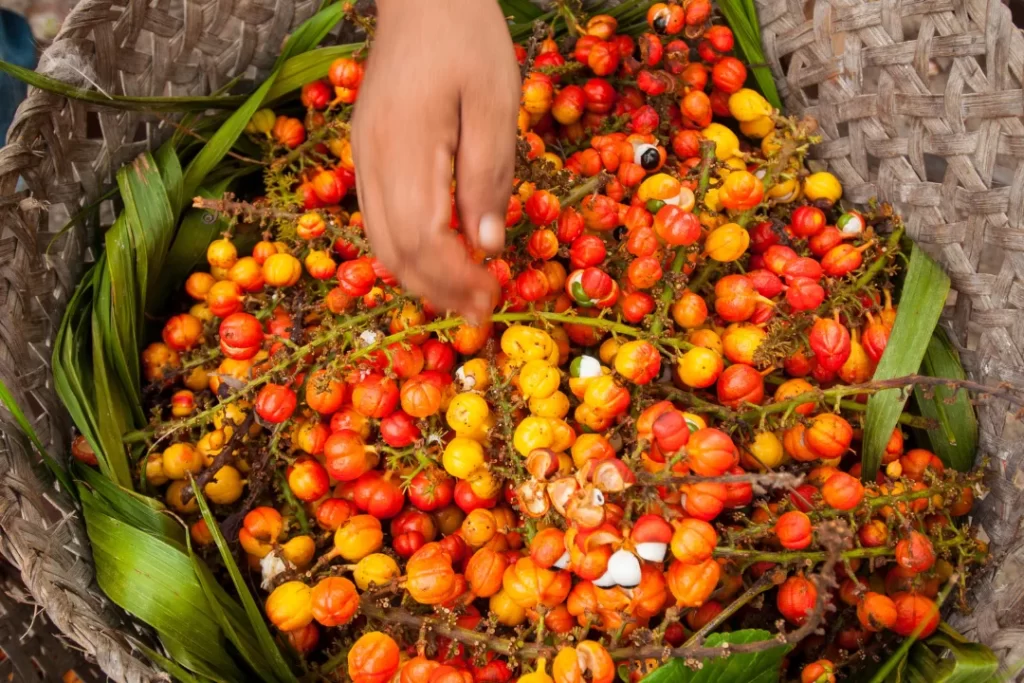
column 707, row 162
column 225, row 456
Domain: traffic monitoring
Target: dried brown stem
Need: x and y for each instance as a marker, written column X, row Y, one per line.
column 224, row 457
column 776, row 480
column 832, row 535
column 228, row 206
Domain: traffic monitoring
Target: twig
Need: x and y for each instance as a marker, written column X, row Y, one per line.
column 226, row 455
column 774, row 480
column 767, row 581
column 707, row 157
column 833, row 534
column 228, row 206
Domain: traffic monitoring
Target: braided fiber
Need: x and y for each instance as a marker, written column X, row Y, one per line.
column 66, row 154
column 920, row 103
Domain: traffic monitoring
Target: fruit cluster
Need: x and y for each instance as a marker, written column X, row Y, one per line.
column 660, row 422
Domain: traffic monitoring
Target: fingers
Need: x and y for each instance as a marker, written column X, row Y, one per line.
column 404, row 192
column 485, row 160
column 430, row 260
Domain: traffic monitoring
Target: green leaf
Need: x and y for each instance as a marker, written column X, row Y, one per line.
column 139, row 511
column 741, row 16
column 7, row 398
column 117, row 306
column 159, row 104
column 71, row 368
column 970, row 662
column 265, row 641
column 311, row 32
column 112, row 406
column 177, row 672
column 198, row 228
column 757, row 667
column 306, row 67
column 151, row 219
column 924, row 294
column 956, row 442
column 155, row 581
column 520, row 11
column 170, row 172
column 945, row 657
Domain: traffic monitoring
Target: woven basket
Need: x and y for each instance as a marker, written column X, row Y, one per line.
column 920, row 102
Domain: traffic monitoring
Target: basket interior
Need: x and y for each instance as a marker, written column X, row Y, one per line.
column 919, row 101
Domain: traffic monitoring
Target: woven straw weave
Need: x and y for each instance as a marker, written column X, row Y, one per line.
column 921, row 104
column 67, row 153
column 945, row 143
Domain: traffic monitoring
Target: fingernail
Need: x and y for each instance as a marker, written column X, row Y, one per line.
column 492, row 233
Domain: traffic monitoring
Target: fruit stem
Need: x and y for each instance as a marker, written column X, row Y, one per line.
column 794, row 556
column 888, row 253
column 707, row 162
column 763, row 584
column 337, row 330
column 581, row 192
column 293, row 503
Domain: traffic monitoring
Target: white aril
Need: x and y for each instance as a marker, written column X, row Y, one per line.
column 652, row 552
column 563, row 561
column 270, row 566
column 589, row 367
column 370, row 336
column 606, row 580
column 466, row 382
column 624, row 568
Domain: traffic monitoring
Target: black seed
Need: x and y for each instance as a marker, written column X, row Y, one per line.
column 650, row 158
column 661, row 24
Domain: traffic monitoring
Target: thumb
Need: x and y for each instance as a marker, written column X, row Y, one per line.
column 485, row 162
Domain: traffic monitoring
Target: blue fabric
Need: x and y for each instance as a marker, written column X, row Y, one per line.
column 17, row 47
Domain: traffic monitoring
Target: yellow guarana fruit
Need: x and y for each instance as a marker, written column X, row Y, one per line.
column 727, row 243
column 538, row 378
column 764, row 452
column 659, row 186
column 822, row 185
column 727, row 145
column 461, row 456
column 748, row 105
column 225, row 487
column 757, row 128
column 533, row 432
column 373, row 570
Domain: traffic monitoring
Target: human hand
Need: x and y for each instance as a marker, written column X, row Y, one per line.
column 441, row 84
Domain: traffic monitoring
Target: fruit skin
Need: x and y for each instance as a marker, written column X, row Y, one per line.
column 290, row 606
column 275, row 403
column 374, row 658
column 692, row 584
column 915, row 553
column 358, row 537
column 334, row 601
column 794, row 530
column 821, row 671
column 693, row 541
column 842, row 491
column 915, row 611
column 796, row 599
column 430, row 577
column 876, row 611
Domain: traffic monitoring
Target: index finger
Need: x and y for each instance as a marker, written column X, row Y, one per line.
column 428, row 258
